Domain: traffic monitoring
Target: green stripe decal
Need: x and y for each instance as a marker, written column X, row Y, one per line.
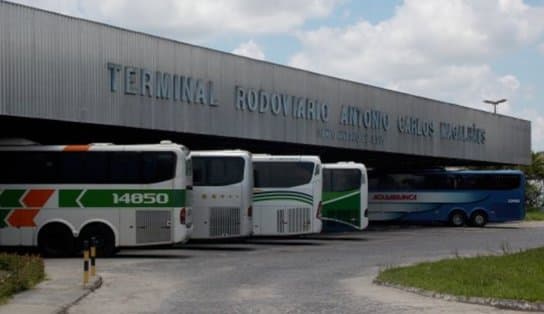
column 67, row 198
column 283, row 195
column 10, row 198
column 342, row 207
column 283, row 199
column 122, row 198
column 3, row 214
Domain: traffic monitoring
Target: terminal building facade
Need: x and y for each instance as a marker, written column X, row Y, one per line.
column 65, row 80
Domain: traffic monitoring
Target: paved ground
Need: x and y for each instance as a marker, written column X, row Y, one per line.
column 321, row 274
column 61, row 288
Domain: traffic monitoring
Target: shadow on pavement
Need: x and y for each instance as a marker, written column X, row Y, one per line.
column 336, row 238
column 498, row 227
column 215, row 248
column 285, row 242
column 148, row 255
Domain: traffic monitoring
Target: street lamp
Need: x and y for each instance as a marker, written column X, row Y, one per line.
column 494, row 103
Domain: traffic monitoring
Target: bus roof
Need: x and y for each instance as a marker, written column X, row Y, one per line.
column 219, row 153
column 459, row 171
column 280, row 158
column 501, row 171
column 166, row 146
column 345, row 165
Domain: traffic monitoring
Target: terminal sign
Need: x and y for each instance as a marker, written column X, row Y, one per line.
column 162, row 85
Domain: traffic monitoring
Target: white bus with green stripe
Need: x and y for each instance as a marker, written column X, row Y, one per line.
column 286, row 195
column 56, row 197
column 221, row 195
column 345, row 197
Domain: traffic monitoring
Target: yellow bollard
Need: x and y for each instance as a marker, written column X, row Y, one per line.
column 85, row 262
column 93, row 256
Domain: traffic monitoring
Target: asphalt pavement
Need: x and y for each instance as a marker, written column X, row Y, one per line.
column 62, row 288
column 315, row 274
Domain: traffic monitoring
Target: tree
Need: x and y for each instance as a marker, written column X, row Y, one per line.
column 534, row 173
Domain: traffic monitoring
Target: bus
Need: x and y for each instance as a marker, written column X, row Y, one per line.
column 457, row 197
column 345, row 197
column 56, row 197
column 286, row 195
column 222, row 192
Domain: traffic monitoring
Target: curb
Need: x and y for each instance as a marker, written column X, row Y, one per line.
column 498, row 303
column 97, row 283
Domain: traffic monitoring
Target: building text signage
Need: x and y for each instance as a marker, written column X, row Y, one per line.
column 355, row 124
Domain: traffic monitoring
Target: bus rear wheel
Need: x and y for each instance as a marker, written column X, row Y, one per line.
column 457, row 218
column 105, row 239
column 478, row 219
column 56, row 240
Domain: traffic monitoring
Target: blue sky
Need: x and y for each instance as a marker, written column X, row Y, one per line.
column 459, row 51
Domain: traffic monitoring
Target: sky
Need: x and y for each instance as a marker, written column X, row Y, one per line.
column 457, row 51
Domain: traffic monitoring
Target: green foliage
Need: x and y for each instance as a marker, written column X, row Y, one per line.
column 533, row 195
column 534, row 171
column 534, row 174
column 511, row 276
column 534, row 215
column 18, row 273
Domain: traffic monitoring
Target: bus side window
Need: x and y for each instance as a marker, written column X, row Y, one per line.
column 39, row 167
column 197, row 176
column 327, row 180
column 255, row 178
column 125, row 167
column 157, row 166
column 387, row 182
column 452, row 182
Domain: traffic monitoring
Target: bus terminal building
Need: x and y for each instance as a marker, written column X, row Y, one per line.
column 65, row 80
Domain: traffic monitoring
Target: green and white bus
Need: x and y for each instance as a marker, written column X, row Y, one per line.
column 286, row 195
column 55, row 197
column 221, row 195
column 345, row 197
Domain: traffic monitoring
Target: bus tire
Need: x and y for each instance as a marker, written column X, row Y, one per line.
column 457, row 218
column 56, row 240
column 105, row 238
column 478, row 219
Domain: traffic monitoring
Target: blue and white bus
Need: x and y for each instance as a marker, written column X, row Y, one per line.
column 457, row 197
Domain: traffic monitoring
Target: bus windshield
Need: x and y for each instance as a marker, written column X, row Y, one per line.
column 282, row 174
column 340, row 180
column 217, row 171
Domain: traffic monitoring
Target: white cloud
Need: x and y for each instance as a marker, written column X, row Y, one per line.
column 510, row 82
column 422, row 38
column 195, row 20
column 541, row 48
column 537, row 127
column 250, row 49
column 437, row 49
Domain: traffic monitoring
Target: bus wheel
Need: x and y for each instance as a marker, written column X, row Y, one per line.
column 457, row 218
column 478, row 219
column 56, row 240
column 105, row 239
